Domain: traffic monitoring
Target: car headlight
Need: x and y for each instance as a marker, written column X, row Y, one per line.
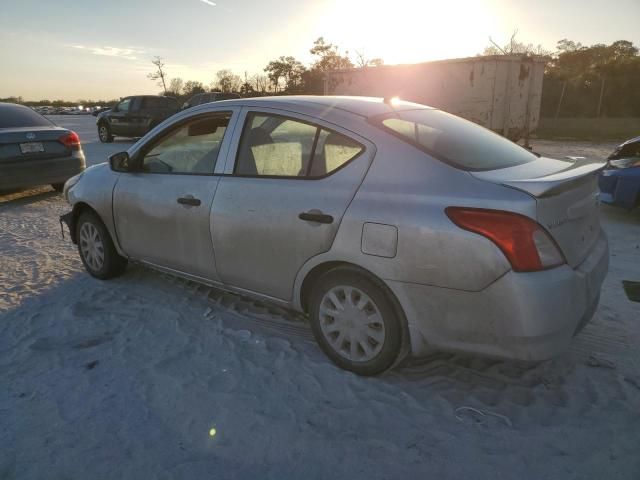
column 69, row 184
column 625, row 162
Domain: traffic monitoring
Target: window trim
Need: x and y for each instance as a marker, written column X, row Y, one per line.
column 377, row 120
column 318, row 128
column 155, row 140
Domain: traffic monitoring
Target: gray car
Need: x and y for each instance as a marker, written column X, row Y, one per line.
column 398, row 228
column 35, row 151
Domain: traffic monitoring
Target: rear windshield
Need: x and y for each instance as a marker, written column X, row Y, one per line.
column 16, row 117
column 456, row 141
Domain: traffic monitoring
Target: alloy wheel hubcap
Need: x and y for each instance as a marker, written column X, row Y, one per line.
column 91, row 246
column 352, row 324
column 103, row 132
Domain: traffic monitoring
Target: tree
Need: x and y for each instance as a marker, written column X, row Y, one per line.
column 226, row 81
column 246, row 89
column 260, row 82
column 192, row 87
column 289, row 70
column 176, row 86
column 592, row 80
column 159, row 75
column 362, row 61
column 515, row 47
column 328, row 57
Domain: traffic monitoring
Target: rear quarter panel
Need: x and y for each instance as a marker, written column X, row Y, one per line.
column 407, row 189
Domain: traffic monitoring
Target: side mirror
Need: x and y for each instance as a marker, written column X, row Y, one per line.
column 120, row 162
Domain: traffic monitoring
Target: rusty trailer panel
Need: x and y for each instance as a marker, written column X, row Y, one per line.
column 502, row 93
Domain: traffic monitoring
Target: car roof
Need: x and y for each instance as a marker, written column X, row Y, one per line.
column 320, row 105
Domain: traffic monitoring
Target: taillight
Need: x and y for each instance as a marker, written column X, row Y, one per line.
column 70, row 140
column 527, row 245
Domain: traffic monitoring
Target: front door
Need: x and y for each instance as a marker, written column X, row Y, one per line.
column 119, row 117
column 283, row 200
column 162, row 211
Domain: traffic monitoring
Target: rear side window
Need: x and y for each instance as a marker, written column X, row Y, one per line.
column 156, row 102
column 332, row 151
column 454, row 140
column 277, row 146
column 16, row 116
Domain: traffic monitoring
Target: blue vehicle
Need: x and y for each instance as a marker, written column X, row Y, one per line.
column 620, row 181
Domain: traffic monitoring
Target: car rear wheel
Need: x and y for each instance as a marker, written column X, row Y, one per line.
column 354, row 322
column 96, row 248
column 104, row 132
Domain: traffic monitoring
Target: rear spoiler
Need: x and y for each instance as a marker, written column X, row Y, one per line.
column 557, row 182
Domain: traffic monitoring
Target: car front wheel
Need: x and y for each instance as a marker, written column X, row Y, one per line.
column 355, row 323
column 96, row 248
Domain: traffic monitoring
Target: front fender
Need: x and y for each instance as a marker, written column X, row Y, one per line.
column 95, row 192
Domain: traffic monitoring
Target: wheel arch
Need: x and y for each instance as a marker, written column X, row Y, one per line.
column 78, row 209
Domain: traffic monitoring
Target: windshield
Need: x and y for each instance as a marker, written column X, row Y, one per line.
column 454, row 140
column 17, row 117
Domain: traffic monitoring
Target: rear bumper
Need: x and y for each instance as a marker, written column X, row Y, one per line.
column 523, row 316
column 22, row 174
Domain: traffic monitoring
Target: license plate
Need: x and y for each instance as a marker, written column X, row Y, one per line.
column 31, row 147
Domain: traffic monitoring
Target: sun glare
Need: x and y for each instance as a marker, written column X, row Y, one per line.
column 407, row 31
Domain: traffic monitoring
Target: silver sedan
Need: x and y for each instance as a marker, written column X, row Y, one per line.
column 398, row 228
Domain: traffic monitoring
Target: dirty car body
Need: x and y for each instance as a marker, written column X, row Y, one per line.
column 469, row 242
column 620, row 181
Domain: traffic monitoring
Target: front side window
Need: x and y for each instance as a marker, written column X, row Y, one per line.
column 273, row 145
column 189, row 149
column 124, row 105
column 454, row 140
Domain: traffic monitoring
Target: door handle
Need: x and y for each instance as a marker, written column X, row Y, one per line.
column 315, row 216
column 189, row 201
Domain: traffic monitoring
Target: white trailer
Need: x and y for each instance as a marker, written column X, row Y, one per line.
column 502, row 93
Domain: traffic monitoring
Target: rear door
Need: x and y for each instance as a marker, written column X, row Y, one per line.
column 282, row 199
column 137, row 120
column 162, row 212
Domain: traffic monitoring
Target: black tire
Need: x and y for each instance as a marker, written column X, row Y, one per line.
column 104, row 133
column 113, row 264
column 58, row 187
column 391, row 346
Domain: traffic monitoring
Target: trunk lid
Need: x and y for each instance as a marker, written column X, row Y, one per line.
column 566, row 195
column 10, row 140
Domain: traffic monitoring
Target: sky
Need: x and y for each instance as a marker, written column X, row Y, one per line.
column 90, row 49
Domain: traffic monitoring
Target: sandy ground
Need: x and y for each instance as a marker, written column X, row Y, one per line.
column 127, row 378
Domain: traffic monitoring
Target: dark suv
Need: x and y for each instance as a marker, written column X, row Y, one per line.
column 201, row 98
column 135, row 116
